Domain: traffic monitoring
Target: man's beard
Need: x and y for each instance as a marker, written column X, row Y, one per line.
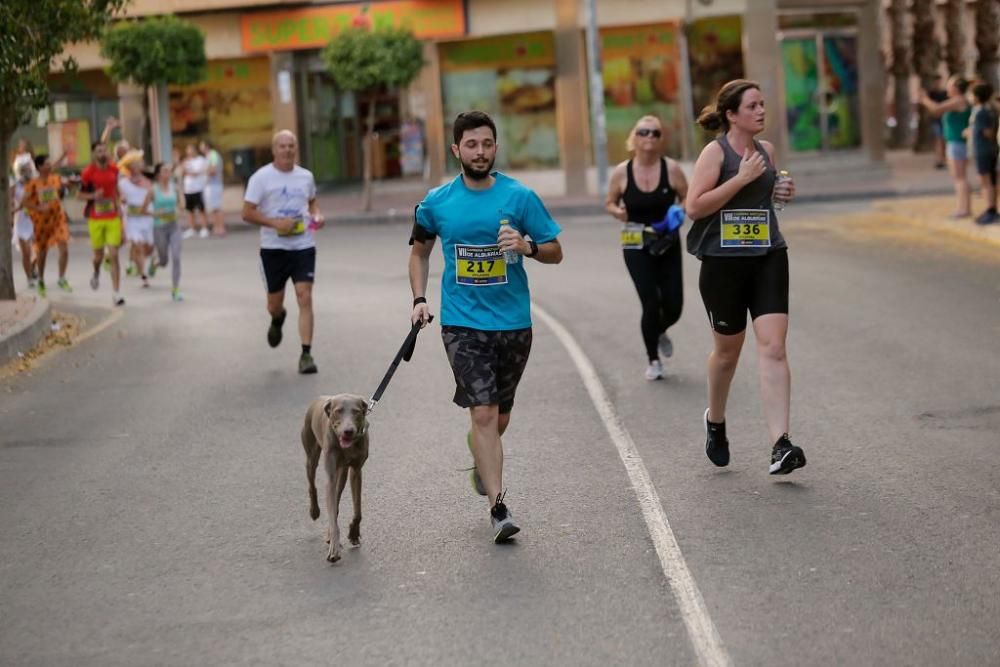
column 476, row 174
column 102, row 160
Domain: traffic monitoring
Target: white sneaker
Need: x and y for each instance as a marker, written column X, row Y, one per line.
column 665, row 346
column 117, row 300
column 203, row 234
column 188, row 233
column 655, row 370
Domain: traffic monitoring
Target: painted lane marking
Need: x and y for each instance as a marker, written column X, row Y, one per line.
column 704, row 637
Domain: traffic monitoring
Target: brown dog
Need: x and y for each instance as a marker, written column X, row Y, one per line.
column 336, row 425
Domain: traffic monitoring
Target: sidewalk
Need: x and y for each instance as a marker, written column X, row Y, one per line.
column 23, row 322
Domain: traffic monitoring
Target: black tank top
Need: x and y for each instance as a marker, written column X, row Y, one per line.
column 648, row 207
column 704, row 238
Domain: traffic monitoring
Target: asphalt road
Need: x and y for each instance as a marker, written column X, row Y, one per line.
column 153, row 504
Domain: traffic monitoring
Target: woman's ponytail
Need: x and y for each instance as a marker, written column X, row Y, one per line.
column 710, row 119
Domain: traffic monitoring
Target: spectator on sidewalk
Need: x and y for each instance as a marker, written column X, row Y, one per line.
column 954, row 113
column 195, row 180
column 42, row 198
column 213, row 189
column 983, row 128
column 938, row 94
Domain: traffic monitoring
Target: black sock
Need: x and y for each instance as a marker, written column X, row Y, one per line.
column 279, row 319
column 306, row 349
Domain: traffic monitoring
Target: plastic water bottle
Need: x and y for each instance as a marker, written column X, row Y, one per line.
column 783, row 177
column 509, row 256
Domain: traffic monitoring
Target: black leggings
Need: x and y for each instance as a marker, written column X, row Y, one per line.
column 659, row 282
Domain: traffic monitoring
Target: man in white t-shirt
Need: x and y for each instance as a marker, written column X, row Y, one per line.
column 195, row 179
column 281, row 199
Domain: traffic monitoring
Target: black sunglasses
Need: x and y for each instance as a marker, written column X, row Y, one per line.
column 647, row 132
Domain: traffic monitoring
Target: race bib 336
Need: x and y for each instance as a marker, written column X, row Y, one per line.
column 745, row 228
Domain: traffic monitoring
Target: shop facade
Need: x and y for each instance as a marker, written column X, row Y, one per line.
column 524, row 61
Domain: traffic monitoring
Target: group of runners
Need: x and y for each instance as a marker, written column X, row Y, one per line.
column 125, row 201
column 489, row 224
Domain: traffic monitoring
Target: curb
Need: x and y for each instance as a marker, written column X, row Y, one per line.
column 27, row 332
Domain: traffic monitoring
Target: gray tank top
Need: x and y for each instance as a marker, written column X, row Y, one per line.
column 750, row 223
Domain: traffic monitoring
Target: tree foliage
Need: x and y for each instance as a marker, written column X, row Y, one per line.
column 366, row 61
column 363, row 60
column 33, row 33
column 155, row 51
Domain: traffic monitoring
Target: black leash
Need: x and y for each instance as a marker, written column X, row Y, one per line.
column 405, row 354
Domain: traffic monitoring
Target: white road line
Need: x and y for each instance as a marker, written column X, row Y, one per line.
column 704, row 637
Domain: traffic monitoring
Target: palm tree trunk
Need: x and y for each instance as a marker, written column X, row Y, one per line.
column 900, row 70
column 954, row 28
column 369, row 156
column 988, row 41
column 926, row 59
column 147, row 134
column 6, row 254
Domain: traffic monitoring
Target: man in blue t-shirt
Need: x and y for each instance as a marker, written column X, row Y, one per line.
column 481, row 216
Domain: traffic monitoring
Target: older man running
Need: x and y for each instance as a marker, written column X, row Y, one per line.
column 281, row 199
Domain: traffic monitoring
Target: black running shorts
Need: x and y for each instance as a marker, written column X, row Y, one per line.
column 194, row 202
column 730, row 286
column 487, row 364
column 277, row 266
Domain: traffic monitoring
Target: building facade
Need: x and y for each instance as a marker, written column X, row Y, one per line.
column 524, row 61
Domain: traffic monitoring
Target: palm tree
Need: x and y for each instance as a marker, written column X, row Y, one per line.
column 900, row 70
column 988, row 41
column 926, row 60
column 954, row 28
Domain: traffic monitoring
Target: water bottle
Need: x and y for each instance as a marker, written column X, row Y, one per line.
column 783, row 178
column 509, row 256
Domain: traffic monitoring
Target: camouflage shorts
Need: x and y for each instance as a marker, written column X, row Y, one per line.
column 487, row 364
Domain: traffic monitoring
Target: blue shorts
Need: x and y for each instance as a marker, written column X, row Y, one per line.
column 957, row 150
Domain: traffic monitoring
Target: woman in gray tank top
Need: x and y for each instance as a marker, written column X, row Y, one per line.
column 744, row 265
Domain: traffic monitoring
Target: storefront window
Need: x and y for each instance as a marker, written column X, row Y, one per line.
column 641, row 77
column 231, row 108
column 512, row 78
column 715, row 52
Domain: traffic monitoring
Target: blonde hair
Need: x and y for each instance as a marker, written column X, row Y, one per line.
column 630, row 141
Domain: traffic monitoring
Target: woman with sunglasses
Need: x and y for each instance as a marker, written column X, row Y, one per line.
column 640, row 193
column 744, row 265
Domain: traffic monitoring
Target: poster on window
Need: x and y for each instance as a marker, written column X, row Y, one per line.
column 231, row 107
column 715, row 53
column 512, row 78
column 641, row 77
column 71, row 138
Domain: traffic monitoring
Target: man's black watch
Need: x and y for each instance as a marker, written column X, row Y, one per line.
column 533, row 249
